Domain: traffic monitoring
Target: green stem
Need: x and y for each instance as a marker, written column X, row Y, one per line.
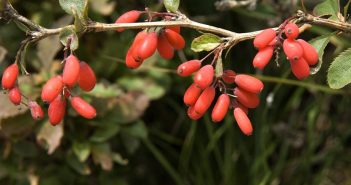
column 161, row 159
column 307, row 85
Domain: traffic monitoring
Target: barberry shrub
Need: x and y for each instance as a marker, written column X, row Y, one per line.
column 97, row 108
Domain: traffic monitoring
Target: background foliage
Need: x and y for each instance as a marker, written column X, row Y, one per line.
column 142, row 135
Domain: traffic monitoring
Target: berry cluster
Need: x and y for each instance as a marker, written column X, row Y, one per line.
column 58, row 88
column 146, row 42
column 200, row 95
column 300, row 53
column 9, row 82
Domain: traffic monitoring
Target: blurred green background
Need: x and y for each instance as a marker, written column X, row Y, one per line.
column 142, row 135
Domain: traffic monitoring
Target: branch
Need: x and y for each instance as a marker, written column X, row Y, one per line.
column 38, row 32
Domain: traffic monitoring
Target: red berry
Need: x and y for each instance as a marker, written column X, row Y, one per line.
column 70, row 73
column 87, row 78
column 83, row 108
column 300, row 68
column 205, row 100
column 292, row 50
column 264, row 38
column 146, row 48
column 164, row 48
column 221, row 108
column 174, row 28
column 249, row 100
column 236, row 104
column 249, row 83
column 189, row 67
column 9, row 76
column 139, row 38
column 204, row 77
column 191, row 95
column 128, row 17
column 291, row 31
column 130, row 61
column 193, row 114
column 35, row 110
column 263, row 57
column 175, row 39
column 52, row 89
column 309, row 52
column 56, row 111
column 15, row 96
column 243, row 121
column 229, row 76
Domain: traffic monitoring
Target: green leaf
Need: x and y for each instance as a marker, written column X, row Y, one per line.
column 69, row 34
column 146, row 85
column 319, row 43
column 80, row 6
column 328, row 7
column 137, row 130
column 219, row 66
column 104, row 133
column 82, row 150
column 339, row 73
column 205, row 42
column 171, row 5
column 80, row 167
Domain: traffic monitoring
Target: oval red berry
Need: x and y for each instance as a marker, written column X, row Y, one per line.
column 192, row 94
column 57, row 110
column 243, row 121
column 188, row 68
column 249, row 83
column 128, row 17
column 15, row 96
column 147, row 47
column 204, row 77
column 87, row 78
column 221, row 108
column 164, row 48
column 309, row 52
column 35, row 110
column 291, row 31
column 205, row 100
column 174, row 28
column 249, row 100
column 236, row 104
column 300, row 68
column 52, row 88
column 263, row 57
column 83, row 108
column 130, row 61
column 9, row 77
column 264, row 38
column 228, row 76
column 175, row 39
column 292, row 50
column 193, row 114
column 70, row 73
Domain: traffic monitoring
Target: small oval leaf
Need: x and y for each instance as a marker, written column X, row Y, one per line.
column 328, row 7
column 205, row 42
column 319, row 43
column 339, row 73
column 80, row 6
column 171, row 5
column 69, row 33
